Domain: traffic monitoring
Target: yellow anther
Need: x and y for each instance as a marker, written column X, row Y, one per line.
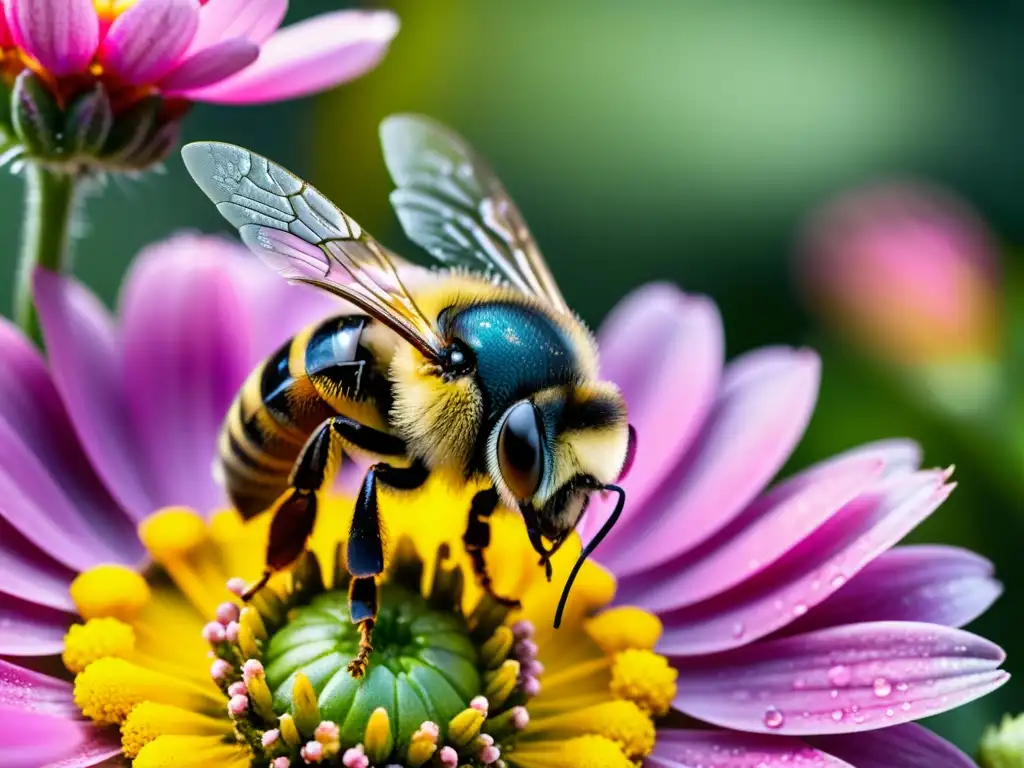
column 251, row 618
column 109, row 688
column 247, row 638
column 109, row 591
column 645, row 678
column 465, row 727
column 96, row 639
column 289, row 732
column 305, row 709
column 150, row 720
column 173, row 533
column 593, row 752
column 620, row 629
column 261, row 698
column 497, row 647
column 621, row 721
column 421, row 748
column 499, row 684
column 378, row 740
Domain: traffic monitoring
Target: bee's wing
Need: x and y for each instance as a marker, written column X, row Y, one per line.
column 451, row 204
column 302, row 235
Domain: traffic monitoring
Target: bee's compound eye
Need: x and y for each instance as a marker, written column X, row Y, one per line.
column 457, row 358
column 519, row 451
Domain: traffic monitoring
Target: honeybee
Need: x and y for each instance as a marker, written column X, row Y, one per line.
column 482, row 371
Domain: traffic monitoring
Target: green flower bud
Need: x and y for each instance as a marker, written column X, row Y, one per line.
column 1003, row 747
column 35, row 116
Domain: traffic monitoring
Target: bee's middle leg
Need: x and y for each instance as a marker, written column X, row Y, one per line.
column 478, row 537
column 366, row 550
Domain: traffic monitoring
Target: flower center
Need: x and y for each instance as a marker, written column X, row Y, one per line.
column 455, row 679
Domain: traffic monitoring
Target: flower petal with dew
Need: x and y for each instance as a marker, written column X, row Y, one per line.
column 103, row 85
column 733, row 579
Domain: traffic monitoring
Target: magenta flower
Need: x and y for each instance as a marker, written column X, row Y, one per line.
column 795, row 630
column 908, row 271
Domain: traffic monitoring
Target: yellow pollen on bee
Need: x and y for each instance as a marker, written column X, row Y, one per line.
column 173, row 533
column 109, row 591
column 625, row 628
column 646, row 679
column 96, row 639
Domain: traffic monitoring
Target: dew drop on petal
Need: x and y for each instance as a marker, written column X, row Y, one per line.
column 738, row 629
column 799, row 609
column 837, row 715
column 838, row 581
column 905, row 706
column 882, row 687
column 773, row 718
column 839, row 675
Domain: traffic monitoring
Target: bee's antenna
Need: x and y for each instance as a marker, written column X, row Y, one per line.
column 589, row 549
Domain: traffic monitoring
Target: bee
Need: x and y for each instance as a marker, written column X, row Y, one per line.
column 480, row 371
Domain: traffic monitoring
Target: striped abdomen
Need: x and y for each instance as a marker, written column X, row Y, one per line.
column 332, row 368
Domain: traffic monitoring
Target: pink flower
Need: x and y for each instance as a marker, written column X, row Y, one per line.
column 906, row 270
column 797, row 630
column 225, row 51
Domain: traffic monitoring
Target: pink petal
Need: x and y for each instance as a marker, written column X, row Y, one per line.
column 253, row 20
column 27, row 573
column 853, row 678
column 187, row 353
column 726, row 749
column 664, row 350
column 99, row 746
column 30, row 740
column 146, row 42
column 935, row 584
column 31, row 409
column 61, row 34
column 30, row 691
column 762, row 409
column 903, row 746
column 817, row 567
column 772, row 526
column 31, row 630
column 308, row 57
column 211, row 65
column 83, row 349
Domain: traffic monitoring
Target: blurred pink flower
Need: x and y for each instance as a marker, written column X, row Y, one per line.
column 798, row 632
column 226, row 51
column 908, row 271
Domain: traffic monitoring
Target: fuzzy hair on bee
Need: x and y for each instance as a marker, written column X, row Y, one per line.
column 479, row 372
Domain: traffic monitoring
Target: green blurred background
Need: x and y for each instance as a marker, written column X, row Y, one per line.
column 673, row 140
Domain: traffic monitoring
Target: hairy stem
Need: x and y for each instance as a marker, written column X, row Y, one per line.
column 46, row 240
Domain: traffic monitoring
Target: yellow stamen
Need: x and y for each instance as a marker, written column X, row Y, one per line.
column 261, row 698
column 96, row 639
column 173, row 751
column 621, row 721
column 378, row 740
column 305, row 709
column 591, row 751
column 646, row 679
column 172, row 533
column 109, row 591
column 150, row 720
column 421, row 748
column 620, row 629
column 496, row 649
column 289, row 731
column 109, row 688
column 465, row 727
column 499, row 684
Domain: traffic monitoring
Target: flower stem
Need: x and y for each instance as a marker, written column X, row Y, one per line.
column 46, row 240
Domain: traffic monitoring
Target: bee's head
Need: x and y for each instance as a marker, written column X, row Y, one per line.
column 549, row 452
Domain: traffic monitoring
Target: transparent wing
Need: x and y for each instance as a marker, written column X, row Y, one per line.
column 451, row 203
column 302, row 235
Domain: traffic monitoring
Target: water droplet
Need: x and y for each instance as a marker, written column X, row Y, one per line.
column 799, row 609
column 773, row 718
column 890, row 712
column 834, row 693
column 902, row 687
column 799, row 684
column 839, row 675
column 837, row 715
column 838, row 581
column 738, row 629
column 882, row 687
column 905, row 706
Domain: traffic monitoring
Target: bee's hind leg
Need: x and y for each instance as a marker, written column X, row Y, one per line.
column 478, row 537
column 366, row 551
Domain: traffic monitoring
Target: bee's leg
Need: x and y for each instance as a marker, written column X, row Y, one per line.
column 366, row 550
column 478, row 537
column 315, row 468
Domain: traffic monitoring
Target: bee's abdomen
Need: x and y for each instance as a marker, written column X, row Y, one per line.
column 312, row 377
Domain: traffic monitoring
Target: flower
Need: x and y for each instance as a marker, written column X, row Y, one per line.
column 780, row 625
column 103, row 83
column 908, row 271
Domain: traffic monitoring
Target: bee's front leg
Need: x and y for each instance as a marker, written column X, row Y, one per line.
column 478, row 537
column 366, row 550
